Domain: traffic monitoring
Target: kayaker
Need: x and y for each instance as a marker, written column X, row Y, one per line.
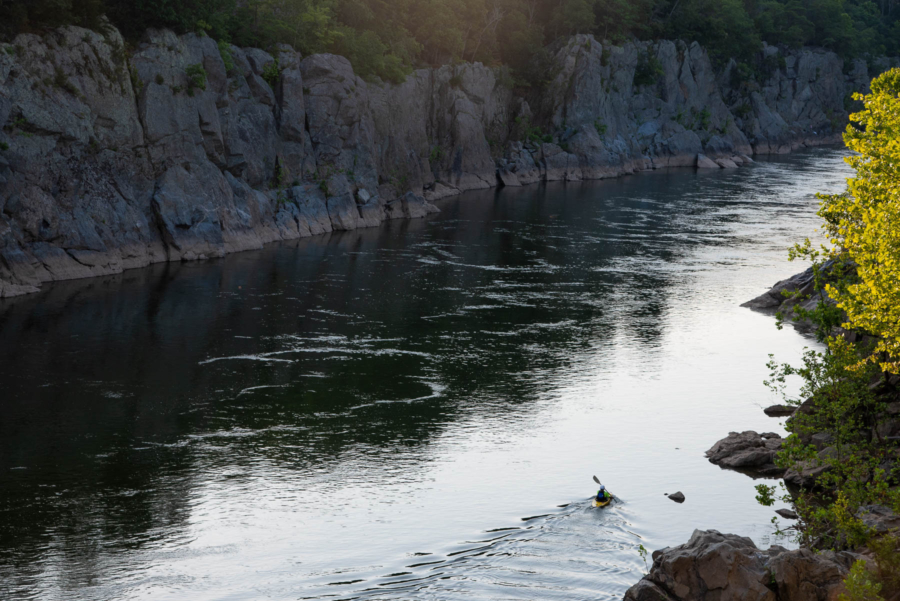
column 603, row 494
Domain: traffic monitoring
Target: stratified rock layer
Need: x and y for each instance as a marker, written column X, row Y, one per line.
column 110, row 161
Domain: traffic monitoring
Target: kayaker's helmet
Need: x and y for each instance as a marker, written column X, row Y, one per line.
column 602, row 488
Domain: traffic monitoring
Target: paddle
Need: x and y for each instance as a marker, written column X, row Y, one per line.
column 615, row 498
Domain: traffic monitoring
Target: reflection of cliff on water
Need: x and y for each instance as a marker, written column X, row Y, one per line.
column 352, row 348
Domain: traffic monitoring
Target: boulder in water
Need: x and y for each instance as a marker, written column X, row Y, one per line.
column 749, row 451
column 713, row 566
column 704, row 162
column 508, row 178
column 779, row 410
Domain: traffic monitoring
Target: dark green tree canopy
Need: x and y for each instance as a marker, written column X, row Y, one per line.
column 388, row 38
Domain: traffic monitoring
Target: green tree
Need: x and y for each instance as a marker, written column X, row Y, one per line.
column 863, row 222
column 723, row 26
column 616, row 20
column 572, row 16
column 861, row 585
column 16, row 15
column 389, row 38
column 133, row 17
column 842, row 410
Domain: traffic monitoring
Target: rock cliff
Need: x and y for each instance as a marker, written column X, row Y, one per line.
column 179, row 149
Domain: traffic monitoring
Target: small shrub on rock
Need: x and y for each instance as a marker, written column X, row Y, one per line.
column 225, row 53
column 61, row 81
column 861, row 585
column 196, row 78
column 704, row 118
column 743, row 111
column 648, row 70
column 272, row 73
column 136, row 81
column 887, row 560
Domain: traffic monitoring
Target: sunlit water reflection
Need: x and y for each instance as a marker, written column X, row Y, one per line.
column 408, row 412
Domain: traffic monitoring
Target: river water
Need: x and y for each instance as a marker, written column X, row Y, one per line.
column 407, row 412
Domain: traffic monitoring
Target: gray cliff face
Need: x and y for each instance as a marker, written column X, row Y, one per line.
column 613, row 126
column 110, row 162
column 803, row 103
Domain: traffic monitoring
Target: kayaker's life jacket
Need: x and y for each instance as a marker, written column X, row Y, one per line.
column 602, row 495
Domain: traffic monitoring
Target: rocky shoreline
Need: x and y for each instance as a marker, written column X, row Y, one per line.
column 114, row 157
column 716, row 566
column 713, row 566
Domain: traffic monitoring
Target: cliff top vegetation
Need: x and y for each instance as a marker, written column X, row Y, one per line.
column 388, row 38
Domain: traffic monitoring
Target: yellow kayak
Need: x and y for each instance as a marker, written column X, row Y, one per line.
column 597, row 503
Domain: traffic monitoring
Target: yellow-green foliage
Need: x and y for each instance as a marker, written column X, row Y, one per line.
column 864, row 223
column 861, row 585
column 887, row 561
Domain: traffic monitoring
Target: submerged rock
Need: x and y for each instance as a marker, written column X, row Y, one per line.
column 779, row 410
column 411, row 206
column 713, row 566
column 748, row 451
column 726, row 163
column 787, row 514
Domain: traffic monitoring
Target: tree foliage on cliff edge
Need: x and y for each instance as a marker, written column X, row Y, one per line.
column 845, row 388
column 864, row 222
column 390, row 37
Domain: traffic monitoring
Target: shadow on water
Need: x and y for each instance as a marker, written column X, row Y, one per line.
column 129, row 400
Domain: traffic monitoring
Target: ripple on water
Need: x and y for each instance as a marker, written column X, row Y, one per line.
column 405, row 412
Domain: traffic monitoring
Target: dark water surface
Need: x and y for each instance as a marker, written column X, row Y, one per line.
column 407, row 412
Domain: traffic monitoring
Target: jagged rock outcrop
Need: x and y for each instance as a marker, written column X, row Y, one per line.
column 110, row 162
column 182, row 150
column 748, row 451
column 75, row 183
column 802, row 103
column 792, row 295
column 713, row 566
column 806, row 473
column 612, row 126
column 777, row 299
column 880, row 519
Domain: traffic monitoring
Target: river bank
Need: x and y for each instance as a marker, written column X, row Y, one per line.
column 712, row 565
column 115, row 158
